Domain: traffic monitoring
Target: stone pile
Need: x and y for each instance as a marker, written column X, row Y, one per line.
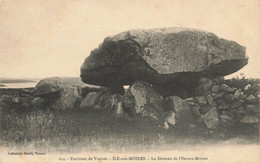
column 50, row 93
column 217, row 105
column 16, row 102
column 222, row 104
column 58, row 93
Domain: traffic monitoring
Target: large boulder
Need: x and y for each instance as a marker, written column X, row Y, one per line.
column 90, row 100
column 142, row 99
column 211, row 118
column 51, row 85
column 69, row 98
column 60, row 93
column 112, row 101
column 183, row 112
column 162, row 57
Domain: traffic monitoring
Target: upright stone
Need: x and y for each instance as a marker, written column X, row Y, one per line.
column 142, row 99
column 183, row 112
column 211, row 118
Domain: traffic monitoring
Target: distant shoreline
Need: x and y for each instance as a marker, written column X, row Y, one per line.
column 2, row 85
column 17, row 81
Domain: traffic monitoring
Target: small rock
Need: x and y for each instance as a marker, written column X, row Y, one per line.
column 105, row 95
column 195, row 110
column 217, row 96
column 90, row 100
column 228, row 113
column 169, row 117
column 209, row 99
column 230, row 97
column 190, row 99
column 231, row 89
column 27, row 90
column 98, row 107
column 119, row 108
column 235, row 104
column 214, row 104
column 251, row 99
column 166, row 126
column 256, row 87
column 252, row 108
column 258, row 95
column 191, row 103
column 228, row 89
column 224, row 87
column 218, row 80
column 25, row 102
column 91, row 88
column 240, row 112
column 201, row 100
column 223, row 106
column 242, row 96
column 192, row 126
column 225, row 123
column 37, row 101
column 205, row 109
column 112, row 101
column 215, row 89
column 220, row 101
column 241, row 101
column 249, row 119
column 211, row 118
column 200, row 119
column 225, row 117
column 237, row 94
column 205, row 85
column 16, row 99
column 247, row 87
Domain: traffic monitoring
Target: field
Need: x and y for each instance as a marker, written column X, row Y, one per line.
column 83, row 130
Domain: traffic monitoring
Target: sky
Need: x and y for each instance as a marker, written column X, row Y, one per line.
column 44, row 38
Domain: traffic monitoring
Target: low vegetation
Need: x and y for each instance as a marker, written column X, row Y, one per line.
column 81, row 130
column 99, row 130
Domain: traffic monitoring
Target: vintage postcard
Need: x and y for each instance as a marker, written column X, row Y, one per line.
column 129, row 81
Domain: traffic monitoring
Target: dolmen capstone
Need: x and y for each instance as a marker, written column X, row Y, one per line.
column 169, row 57
column 164, row 67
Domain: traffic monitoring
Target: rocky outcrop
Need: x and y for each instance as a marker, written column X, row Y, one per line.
column 60, row 93
column 51, row 85
column 162, row 57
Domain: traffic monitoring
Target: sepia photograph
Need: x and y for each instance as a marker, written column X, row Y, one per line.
column 129, row 81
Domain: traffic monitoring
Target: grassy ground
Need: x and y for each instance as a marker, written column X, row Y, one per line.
column 82, row 130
